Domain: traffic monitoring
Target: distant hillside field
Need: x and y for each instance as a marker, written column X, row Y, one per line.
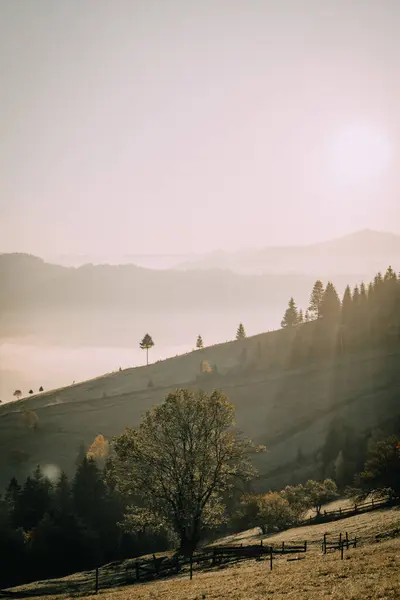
column 287, row 410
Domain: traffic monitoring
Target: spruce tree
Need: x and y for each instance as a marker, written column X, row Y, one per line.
column 34, row 500
column 316, row 300
column 347, row 307
column 12, row 494
column 199, row 342
column 330, row 305
column 301, row 316
column 291, row 317
column 240, row 333
column 363, row 308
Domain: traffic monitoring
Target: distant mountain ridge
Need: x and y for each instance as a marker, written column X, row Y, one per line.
column 360, row 253
column 105, row 302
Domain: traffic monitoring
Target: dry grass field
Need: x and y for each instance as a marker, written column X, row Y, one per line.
column 369, row 572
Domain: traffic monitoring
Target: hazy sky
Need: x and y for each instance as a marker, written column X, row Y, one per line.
column 188, row 125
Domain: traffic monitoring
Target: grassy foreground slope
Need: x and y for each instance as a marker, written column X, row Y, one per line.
column 286, row 409
column 369, row 571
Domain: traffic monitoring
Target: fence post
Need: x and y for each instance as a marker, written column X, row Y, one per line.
column 97, row 580
column 355, row 542
column 340, row 510
column 283, row 547
column 155, row 564
column 372, row 503
column 347, row 540
column 305, row 546
column 324, row 544
column 340, row 539
column 261, row 543
column 341, row 550
column 270, row 558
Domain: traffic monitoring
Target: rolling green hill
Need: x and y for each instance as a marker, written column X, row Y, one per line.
column 285, row 408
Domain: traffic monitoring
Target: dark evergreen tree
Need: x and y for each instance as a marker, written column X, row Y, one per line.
column 81, row 454
column 88, row 491
column 62, row 499
column 316, row 300
column 291, row 317
column 347, row 307
column 34, row 500
column 330, row 305
column 240, row 333
column 199, row 342
column 12, row 494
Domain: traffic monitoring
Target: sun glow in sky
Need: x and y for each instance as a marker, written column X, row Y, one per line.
column 361, row 152
column 154, row 126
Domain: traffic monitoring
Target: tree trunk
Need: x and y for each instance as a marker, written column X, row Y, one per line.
column 187, row 546
column 147, row 356
column 189, row 540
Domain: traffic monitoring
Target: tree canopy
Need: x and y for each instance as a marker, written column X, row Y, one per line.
column 185, row 454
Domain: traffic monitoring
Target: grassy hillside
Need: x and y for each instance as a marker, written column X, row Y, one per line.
column 286, row 409
column 369, row 571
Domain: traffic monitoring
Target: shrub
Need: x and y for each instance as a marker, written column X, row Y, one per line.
column 268, row 511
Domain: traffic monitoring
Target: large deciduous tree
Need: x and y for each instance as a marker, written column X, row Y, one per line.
column 180, row 462
column 319, row 493
column 381, row 475
column 146, row 344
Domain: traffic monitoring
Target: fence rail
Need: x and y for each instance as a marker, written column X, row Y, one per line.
column 334, row 515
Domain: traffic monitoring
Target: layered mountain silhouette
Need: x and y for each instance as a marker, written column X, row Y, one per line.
column 360, row 254
column 245, row 282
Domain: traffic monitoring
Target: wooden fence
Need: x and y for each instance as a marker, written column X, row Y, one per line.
column 341, row 513
column 342, row 543
column 164, row 566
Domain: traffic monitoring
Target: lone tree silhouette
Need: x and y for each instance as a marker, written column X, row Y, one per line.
column 31, row 391
column 145, row 344
column 291, row 316
column 41, row 389
column 199, row 342
column 240, row 333
column 17, row 394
